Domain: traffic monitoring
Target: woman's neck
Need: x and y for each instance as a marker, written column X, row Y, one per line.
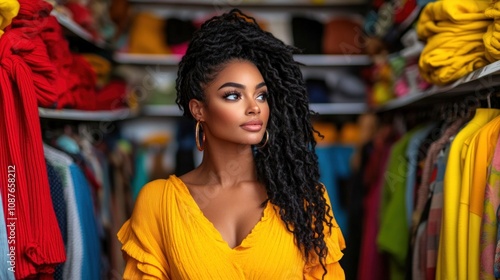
column 227, row 166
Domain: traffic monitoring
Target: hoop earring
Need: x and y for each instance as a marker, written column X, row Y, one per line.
column 197, row 136
column 265, row 142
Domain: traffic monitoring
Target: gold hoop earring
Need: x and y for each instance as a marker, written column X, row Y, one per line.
column 265, row 142
column 197, row 136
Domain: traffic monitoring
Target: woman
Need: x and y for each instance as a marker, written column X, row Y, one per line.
column 254, row 208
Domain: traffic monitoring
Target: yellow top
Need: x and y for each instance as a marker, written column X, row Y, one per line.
column 168, row 237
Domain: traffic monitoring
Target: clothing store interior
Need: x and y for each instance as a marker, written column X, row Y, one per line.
column 405, row 97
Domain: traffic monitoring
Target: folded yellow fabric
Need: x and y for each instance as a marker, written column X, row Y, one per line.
column 446, row 57
column 8, row 11
column 431, row 28
column 491, row 37
column 147, row 35
column 464, row 13
column 493, row 11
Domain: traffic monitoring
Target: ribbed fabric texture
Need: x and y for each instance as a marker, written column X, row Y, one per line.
column 168, row 237
column 5, row 273
column 39, row 245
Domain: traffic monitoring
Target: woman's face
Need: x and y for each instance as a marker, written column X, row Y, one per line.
column 236, row 108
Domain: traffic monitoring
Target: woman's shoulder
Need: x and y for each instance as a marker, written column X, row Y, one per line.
column 158, row 189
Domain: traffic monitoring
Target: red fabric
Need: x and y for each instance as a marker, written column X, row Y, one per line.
column 57, row 50
column 402, row 13
column 112, row 96
column 372, row 263
column 83, row 17
column 83, row 80
column 25, row 76
column 29, row 25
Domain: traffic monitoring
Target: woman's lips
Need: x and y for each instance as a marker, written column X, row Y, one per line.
column 252, row 126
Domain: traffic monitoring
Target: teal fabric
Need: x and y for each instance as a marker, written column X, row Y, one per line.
column 334, row 165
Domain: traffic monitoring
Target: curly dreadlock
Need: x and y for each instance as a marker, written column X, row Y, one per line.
column 287, row 165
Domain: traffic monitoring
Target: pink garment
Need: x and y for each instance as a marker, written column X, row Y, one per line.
column 489, row 221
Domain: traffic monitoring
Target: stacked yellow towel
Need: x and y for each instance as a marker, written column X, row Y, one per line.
column 454, row 32
column 492, row 36
column 8, row 11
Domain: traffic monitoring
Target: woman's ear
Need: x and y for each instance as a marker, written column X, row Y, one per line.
column 197, row 109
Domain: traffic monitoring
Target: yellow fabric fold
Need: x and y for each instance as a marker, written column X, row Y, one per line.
column 431, row 28
column 455, row 10
column 454, row 32
column 493, row 11
column 446, row 58
column 8, row 11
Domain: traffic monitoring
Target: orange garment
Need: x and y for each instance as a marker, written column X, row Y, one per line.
column 168, row 237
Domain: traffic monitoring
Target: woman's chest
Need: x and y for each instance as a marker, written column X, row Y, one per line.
column 195, row 250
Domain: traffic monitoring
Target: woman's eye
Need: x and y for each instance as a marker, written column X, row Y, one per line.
column 232, row 96
column 262, row 96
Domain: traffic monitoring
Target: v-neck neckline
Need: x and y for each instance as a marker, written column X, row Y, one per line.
column 244, row 241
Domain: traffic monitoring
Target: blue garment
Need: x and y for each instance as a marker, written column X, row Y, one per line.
column 91, row 243
column 422, row 3
column 412, row 153
column 57, row 195
column 4, row 247
column 140, row 173
column 74, row 249
column 59, row 205
column 334, row 164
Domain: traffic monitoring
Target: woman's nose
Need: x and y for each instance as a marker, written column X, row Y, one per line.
column 253, row 107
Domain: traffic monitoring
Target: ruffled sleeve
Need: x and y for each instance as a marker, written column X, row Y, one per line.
column 335, row 242
column 141, row 236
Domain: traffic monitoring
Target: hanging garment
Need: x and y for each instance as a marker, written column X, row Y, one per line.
column 168, row 236
column 412, row 155
column 91, row 264
column 5, row 252
column 430, row 161
column 372, row 263
column 39, row 245
column 334, row 165
column 59, row 204
column 435, row 214
column 448, row 252
column 478, row 150
column 393, row 237
column 489, row 222
column 73, row 266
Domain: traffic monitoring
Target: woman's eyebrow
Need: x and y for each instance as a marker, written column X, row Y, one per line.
column 236, row 85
